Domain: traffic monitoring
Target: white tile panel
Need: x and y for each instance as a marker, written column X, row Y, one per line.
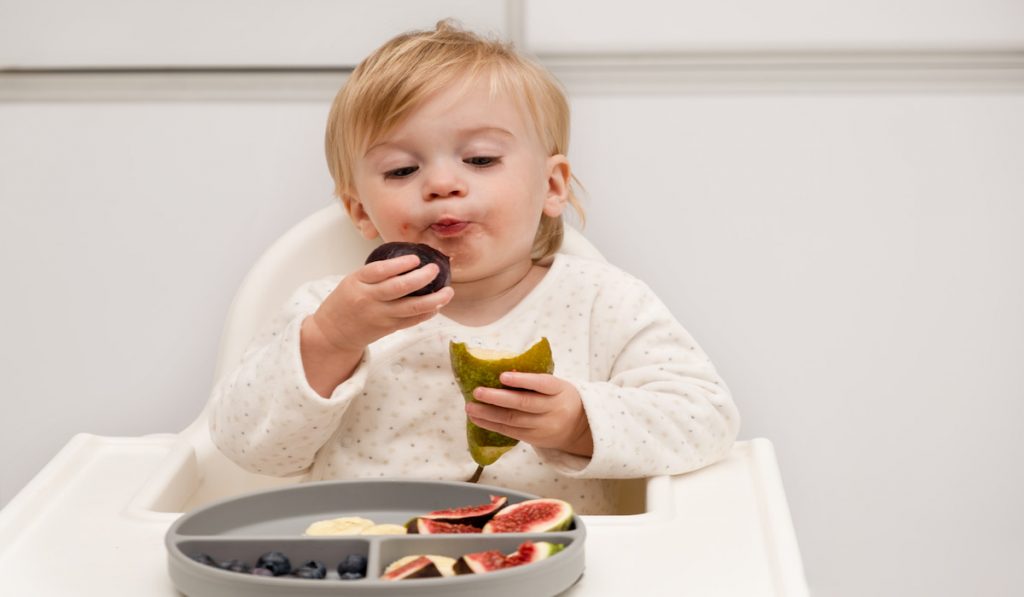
column 644, row 26
column 66, row 34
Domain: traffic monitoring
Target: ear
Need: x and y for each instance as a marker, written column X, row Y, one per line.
column 557, row 185
column 359, row 216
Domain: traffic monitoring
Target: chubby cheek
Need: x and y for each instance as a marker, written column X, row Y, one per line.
column 398, row 231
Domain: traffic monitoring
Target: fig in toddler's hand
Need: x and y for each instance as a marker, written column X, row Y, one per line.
column 426, row 253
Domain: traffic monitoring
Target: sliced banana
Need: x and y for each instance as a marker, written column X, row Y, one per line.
column 444, row 564
column 385, row 529
column 348, row 525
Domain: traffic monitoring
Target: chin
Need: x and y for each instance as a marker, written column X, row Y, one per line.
column 459, row 273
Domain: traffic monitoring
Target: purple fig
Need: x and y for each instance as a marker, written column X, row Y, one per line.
column 426, row 253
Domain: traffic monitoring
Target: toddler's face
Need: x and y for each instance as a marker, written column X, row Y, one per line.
column 464, row 174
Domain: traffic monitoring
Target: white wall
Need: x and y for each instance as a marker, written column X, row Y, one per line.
column 854, row 267
column 105, row 34
column 840, row 228
column 658, row 26
column 124, row 228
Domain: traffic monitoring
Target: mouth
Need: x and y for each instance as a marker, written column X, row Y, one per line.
column 448, row 227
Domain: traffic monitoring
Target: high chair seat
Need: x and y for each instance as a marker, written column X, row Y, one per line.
column 99, row 510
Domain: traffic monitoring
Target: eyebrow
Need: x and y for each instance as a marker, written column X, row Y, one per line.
column 485, row 129
column 462, row 133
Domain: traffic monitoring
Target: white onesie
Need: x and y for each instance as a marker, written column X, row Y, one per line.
column 654, row 401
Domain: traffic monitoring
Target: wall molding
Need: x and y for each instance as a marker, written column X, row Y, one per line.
column 791, row 72
column 170, row 85
column 747, row 72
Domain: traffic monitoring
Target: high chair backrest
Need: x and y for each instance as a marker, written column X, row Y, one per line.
column 324, row 243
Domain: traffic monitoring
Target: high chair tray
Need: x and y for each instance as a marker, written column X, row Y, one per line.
column 245, row 527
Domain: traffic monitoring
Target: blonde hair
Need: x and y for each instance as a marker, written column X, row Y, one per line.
column 396, row 78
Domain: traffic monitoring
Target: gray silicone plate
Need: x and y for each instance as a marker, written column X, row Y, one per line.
column 245, row 527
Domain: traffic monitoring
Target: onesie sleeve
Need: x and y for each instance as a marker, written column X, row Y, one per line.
column 655, row 404
column 264, row 415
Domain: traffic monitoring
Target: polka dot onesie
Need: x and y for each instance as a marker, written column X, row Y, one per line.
column 653, row 399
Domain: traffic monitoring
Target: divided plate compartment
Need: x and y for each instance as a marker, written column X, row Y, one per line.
column 248, row 526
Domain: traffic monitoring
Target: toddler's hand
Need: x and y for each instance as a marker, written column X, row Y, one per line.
column 371, row 302
column 546, row 412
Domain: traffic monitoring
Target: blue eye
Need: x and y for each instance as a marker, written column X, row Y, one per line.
column 481, row 161
column 401, row 172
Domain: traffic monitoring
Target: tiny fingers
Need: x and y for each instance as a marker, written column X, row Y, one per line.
column 513, row 432
column 379, row 271
column 427, row 305
column 500, row 419
column 527, row 402
column 401, row 285
column 542, row 430
column 542, row 383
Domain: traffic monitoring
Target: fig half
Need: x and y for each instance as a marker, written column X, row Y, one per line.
column 472, row 515
column 426, row 253
column 421, row 567
column 489, row 561
column 427, row 526
column 444, row 564
column 532, row 516
column 531, row 551
column 480, row 562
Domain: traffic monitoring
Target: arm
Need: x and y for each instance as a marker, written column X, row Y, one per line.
column 654, row 402
column 326, row 365
column 275, row 411
column 367, row 305
column 265, row 414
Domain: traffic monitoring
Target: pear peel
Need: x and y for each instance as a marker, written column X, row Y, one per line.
column 474, row 368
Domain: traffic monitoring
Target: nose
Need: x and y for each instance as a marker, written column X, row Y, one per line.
column 442, row 182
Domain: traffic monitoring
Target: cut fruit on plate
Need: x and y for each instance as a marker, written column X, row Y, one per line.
column 418, row 567
column 471, row 515
column 532, row 516
column 426, row 526
column 489, row 561
column 347, row 525
column 444, row 564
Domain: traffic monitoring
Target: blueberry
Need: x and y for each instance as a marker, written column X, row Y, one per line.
column 203, row 558
column 311, row 569
column 276, row 562
column 354, row 563
column 351, row 576
column 262, row 572
column 235, row 566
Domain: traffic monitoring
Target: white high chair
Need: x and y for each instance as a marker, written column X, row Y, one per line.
column 324, row 243
column 104, row 504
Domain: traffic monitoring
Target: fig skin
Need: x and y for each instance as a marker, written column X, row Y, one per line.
column 426, row 253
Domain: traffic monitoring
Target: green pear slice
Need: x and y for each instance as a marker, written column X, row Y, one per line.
column 481, row 367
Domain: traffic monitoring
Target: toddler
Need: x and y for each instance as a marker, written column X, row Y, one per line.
column 445, row 138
